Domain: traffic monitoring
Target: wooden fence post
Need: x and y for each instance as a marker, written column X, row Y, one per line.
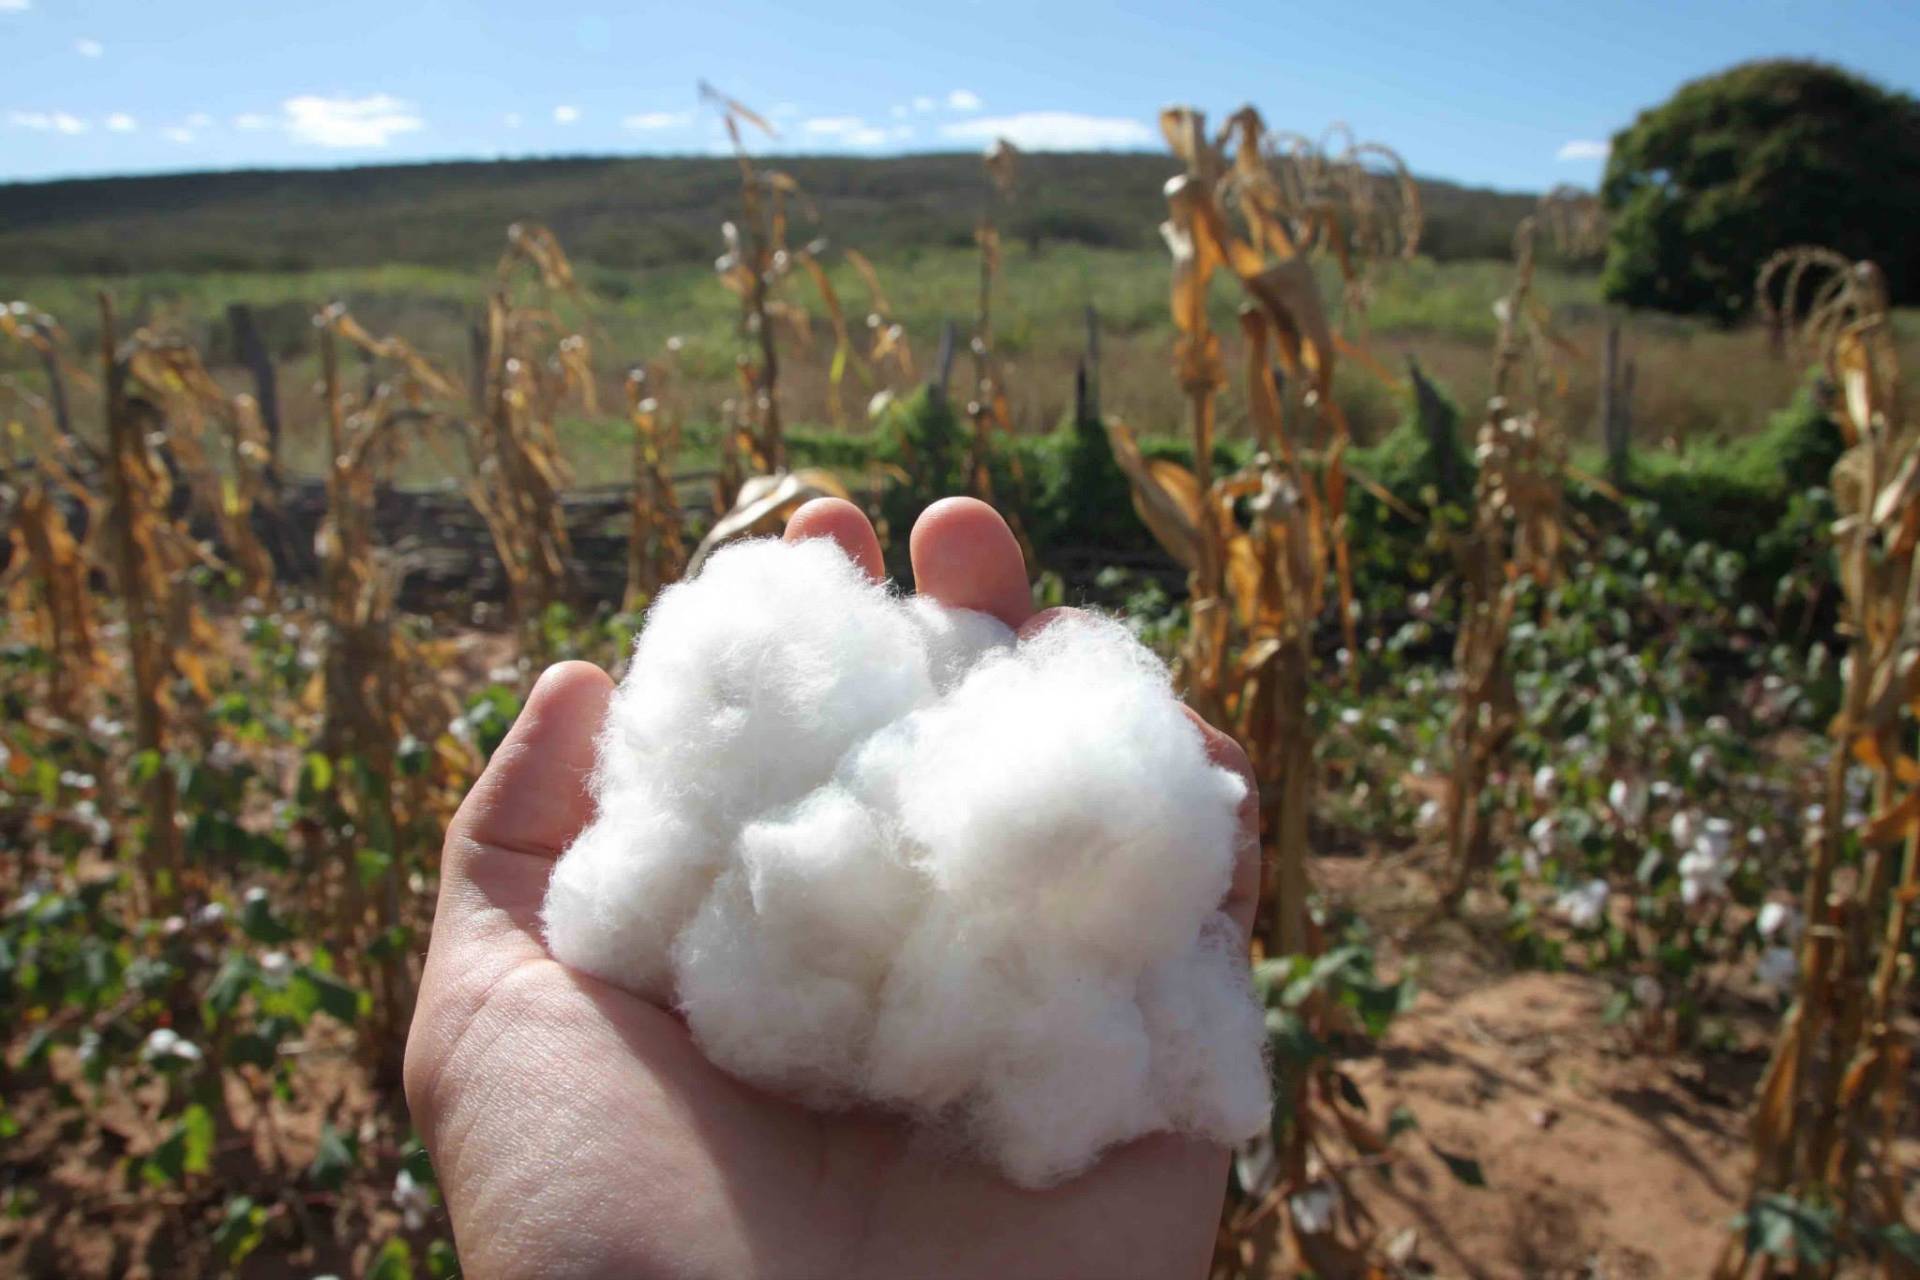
column 942, row 366
column 251, row 350
column 1616, row 410
column 1437, row 423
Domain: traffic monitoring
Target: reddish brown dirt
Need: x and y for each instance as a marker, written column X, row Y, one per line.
column 1597, row 1163
column 1601, row 1158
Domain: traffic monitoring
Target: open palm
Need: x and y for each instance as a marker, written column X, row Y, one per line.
column 577, row 1130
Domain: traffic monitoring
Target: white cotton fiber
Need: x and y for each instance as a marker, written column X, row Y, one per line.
column 878, row 851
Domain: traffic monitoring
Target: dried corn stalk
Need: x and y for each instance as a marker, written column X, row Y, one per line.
column 377, row 682
column 656, row 548
column 533, row 364
column 887, row 342
column 1517, row 532
column 167, row 640
column 1258, row 587
column 988, row 407
column 172, row 374
column 1834, row 1098
column 1256, row 592
column 758, row 262
column 45, row 584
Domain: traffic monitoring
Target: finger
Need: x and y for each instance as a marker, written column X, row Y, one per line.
column 965, row 556
column 528, row 806
column 1040, row 621
column 1243, row 894
column 847, row 525
column 533, row 798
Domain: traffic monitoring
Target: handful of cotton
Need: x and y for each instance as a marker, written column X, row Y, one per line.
column 879, row 851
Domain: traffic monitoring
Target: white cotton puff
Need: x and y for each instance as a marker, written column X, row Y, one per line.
column 878, row 851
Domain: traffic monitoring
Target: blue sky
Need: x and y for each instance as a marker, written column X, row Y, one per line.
column 1514, row 94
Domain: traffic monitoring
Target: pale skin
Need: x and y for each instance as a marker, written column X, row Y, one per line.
column 577, row 1130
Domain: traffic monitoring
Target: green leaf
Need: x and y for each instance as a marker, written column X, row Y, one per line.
column 252, row 1049
column 1904, row 1242
column 1464, row 1168
column 316, row 776
column 230, row 983
column 196, row 1124
column 259, row 923
column 333, row 1158
column 442, row 1262
column 414, row 1158
column 188, row 1148
column 333, row 997
column 371, row 865
column 393, row 1262
column 241, row 1229
column 1788, row 1228
column 1292, row 1043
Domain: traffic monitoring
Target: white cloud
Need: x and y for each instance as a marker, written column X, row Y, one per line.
column 565, row 114
column 177, row 134
column 1580, row 149
column 47, row 121
column 647, row 120
column 88, row 48
column 15, row 6
column 121, row 122
column 899, row 111
column 253, row 120
column 511, row 119
column 371, row 121
column 964, row 100
column 851, row 130
column 199, row 120
column 923, row 103
column 1054, row 131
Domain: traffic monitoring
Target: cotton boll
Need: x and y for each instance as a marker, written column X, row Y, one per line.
column 1062, row 782
column 1208, row 1035
column 827, row 876
column 757, row 1004
column 1069, row 1080
column 625, row 888
column 759, row 675
column 884, row 851
column 942, row 1014
column 955, row 639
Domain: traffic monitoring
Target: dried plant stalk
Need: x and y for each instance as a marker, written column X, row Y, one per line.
column 656, row 549
column 1834, row 1096
column 1518, row 532
column 145, row 576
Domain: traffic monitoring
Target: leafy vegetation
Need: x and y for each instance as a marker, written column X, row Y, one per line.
column 1620, row 731
column 1769, row 154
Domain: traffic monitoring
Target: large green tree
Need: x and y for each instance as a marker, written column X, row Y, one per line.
column 1766, row 155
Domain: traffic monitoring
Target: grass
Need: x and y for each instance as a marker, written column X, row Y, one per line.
column 1696, row 383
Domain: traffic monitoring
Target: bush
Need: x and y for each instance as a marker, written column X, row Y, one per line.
column 1703, row 188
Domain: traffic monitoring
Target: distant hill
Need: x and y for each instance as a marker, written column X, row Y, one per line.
column 611, row 212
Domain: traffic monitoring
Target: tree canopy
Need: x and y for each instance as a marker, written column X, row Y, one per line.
column 1764, row 156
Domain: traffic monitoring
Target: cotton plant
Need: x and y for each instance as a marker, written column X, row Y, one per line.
column 1646, row 834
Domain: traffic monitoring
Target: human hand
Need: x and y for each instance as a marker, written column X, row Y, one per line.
column 577, row 1130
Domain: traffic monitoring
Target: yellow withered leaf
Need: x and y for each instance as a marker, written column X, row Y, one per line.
column 1166, row 495
column 1893, row 823
column 763, row 505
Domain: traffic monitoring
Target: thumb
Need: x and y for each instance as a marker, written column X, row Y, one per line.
column 527, row 807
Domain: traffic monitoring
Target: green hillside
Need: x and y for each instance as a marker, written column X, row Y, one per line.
column 623, row 212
